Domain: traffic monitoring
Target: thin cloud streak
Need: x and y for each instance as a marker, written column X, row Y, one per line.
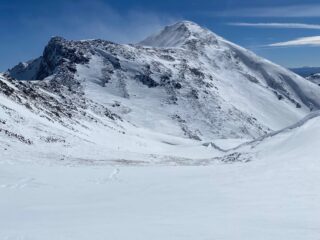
column 304, row 41
column 311, row 10
column 276, row 25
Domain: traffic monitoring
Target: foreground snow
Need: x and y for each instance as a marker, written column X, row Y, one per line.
column 256, row 200
column 273, row 196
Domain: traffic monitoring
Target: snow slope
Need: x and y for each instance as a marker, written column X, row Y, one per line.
column 297, row 143
column 36, row 124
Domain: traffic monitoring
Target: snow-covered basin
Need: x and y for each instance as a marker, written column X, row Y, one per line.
column 256, row 200
column 274, row 196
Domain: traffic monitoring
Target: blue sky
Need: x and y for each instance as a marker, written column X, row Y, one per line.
column 284, row 31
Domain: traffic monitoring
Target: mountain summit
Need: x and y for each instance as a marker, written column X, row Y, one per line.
column 178, row 35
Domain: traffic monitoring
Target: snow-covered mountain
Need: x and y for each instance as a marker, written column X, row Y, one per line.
column 315, row 78
column 182, row 84
column 305, row 71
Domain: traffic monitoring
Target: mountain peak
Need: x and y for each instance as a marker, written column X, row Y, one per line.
column 186, row 23
column 56, row 39
column 178, row 35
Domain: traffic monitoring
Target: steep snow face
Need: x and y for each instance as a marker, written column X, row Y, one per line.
column 190, row 84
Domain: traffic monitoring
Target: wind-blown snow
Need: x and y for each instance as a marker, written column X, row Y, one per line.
column 178, row 34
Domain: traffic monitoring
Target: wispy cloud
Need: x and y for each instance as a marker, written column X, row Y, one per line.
column 304, row 41
column 311, row 10
column 276, row 25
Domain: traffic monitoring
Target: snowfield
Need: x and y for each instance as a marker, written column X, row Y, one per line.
column 183, row 136
column 273, row 196
column 276, row 199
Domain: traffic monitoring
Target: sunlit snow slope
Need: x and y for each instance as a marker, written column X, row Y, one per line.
column 299, row 143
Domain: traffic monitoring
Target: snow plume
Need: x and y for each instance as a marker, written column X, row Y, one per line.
column 97, row 19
